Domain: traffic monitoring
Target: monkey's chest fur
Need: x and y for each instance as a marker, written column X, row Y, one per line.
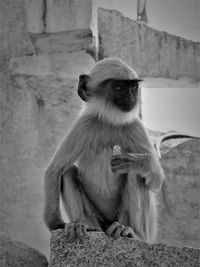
column 103, row 186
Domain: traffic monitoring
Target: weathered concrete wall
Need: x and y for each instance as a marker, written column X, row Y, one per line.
column 36, row 15
column 14, row 40
column 182, row 170
column 66, row 15
column 97, row 249
column 57, row 16
column 38, row 105
column 152, row 53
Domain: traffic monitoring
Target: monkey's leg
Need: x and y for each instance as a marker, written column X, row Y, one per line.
column 82, row 214
column 139, row 208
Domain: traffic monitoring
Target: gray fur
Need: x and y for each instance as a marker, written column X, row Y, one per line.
column 96, row 192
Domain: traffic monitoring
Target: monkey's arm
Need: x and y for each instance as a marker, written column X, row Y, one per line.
column 145, row 163
column 141, row 164
column 68, row 152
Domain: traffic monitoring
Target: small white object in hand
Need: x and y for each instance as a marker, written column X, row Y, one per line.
column 116, row 150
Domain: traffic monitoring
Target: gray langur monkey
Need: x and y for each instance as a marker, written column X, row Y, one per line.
column 106, row 168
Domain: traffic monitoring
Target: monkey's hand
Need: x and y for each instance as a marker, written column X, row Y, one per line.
column 123, row 163
column 78, row 229
column 141, row 164
column 117, row 230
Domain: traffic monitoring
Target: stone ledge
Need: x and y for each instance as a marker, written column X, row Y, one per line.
column 62, row 42
column 97, row 249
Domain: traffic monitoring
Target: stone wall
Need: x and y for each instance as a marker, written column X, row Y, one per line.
column 150, row 52
column 14, row 40
column 182, row 170
column 97, row 249
column 57, row 16
column 39, row 102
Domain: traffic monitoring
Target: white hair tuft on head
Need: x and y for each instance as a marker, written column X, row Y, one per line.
column 110, row 68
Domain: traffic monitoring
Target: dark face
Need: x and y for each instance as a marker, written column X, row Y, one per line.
column 125, row 94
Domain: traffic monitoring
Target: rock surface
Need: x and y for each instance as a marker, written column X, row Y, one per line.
column 100, row 250
column 62, row 42
column 36, row 14
column 17, row 254
column 65, row 15
column 182, row 170
column 14, row 40
column 150, row 52
column 39, row 102
column 57, row 16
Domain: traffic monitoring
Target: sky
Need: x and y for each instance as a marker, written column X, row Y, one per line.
column 167, row 104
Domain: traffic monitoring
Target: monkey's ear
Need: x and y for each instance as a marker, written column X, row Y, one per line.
column 82, row 87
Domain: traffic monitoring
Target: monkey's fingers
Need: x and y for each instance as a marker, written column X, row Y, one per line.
column 128, row 232
column 140, row 155
column 119, row 157
column 94, row 229
column 111, row 229
column 75, row 230
column 117, row 230
column 121, row 168
column 70, row 231
column 81, row 230
column 131, row 157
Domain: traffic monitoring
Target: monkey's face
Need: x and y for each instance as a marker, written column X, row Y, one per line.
column 124, row 94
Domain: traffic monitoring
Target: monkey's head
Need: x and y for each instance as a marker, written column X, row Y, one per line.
column 110, row 85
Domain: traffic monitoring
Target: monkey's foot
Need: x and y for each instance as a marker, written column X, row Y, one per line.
column 77, row 230
column 117, row 230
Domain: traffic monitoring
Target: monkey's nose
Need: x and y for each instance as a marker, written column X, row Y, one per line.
column 129, row 99
column 82, row 76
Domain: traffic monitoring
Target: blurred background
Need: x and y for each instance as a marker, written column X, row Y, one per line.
column 45, row 46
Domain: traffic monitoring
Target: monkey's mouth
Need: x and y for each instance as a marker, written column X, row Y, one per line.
column 126, row 107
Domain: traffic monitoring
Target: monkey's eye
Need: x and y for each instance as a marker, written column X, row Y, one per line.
column 133, row 87
column 118, row 88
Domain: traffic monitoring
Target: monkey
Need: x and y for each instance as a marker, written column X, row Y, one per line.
column 101, row 189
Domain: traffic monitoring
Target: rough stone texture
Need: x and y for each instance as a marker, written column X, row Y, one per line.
column 182, row 170
column 17, row 254
column 62, row 42
column 14, row 40
column 39, row 102
column 152, row 53
column 100, row 250
column 65, row 65
column 65, row 15
column 37, row 111
column 35, row 13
